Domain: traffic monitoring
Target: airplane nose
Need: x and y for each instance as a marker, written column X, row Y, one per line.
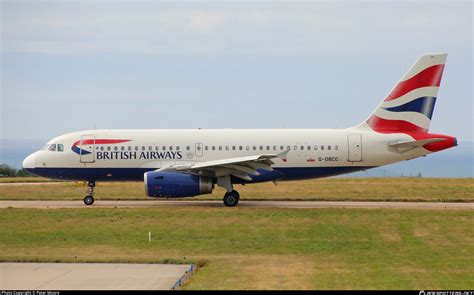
column 29, row 162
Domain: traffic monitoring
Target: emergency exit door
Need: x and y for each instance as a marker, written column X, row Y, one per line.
column 198, row 149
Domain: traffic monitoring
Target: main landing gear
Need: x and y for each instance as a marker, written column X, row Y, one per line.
column 89, row 199
column 231, row 199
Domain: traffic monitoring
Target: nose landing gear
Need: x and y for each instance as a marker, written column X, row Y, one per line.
column 89, row 199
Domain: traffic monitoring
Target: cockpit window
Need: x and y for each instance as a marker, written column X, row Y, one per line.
column 54, row 147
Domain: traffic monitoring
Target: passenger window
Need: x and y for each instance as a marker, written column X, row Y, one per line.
column 254, row 148
column 60, row 148
column 150, row 148
column 171, row 148
column 268, row 147
column 315, row 147
column 115, row 148
column 309, row 147
column 302, row 147
column 336, row 147
column 188, row 148
column 322, row 147
column 122, row 148
column 226, row 147
column 102, row 148
column 177, row 147
column 281, row 147
column 240, row 147
column 247, row 147
column 136, row 147
column 108, row 147
column 233, row 147
column 295, row 147
column 163, row 148
column 220, row 147
column 157, row 148
column 213, row 148
column 329, row 147
column 206, row 148
column 143, row 147
column 261, row 147
column 52, row 148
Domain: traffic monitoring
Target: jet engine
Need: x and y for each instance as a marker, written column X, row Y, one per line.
column 176, row 185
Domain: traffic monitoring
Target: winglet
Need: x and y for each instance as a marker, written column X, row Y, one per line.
column 283, row 154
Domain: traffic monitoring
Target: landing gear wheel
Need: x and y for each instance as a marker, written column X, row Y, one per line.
column 89, row 200
column 231, row 199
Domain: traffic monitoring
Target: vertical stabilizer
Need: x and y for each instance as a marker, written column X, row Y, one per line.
column 409, row 105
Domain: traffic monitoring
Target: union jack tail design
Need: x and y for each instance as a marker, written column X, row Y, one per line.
column 409, row 105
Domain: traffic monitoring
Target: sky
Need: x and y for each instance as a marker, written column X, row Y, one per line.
column 76, row 65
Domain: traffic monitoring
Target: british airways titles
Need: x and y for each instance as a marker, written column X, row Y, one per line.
column 145, row 155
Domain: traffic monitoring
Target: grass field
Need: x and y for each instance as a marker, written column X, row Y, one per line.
column 243, row 248
column 373, row 189
column 259, row 248
column 24, row 179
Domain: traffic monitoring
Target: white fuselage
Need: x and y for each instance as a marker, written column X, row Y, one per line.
column 323, row 152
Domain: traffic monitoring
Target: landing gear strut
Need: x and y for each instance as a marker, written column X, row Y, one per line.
column 89, row 199
column 231, row 199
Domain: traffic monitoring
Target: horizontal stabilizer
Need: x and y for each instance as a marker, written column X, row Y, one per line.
column 415, row 143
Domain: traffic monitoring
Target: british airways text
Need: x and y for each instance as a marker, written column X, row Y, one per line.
column 126, row 155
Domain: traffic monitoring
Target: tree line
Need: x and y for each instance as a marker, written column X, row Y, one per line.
column 8, row 171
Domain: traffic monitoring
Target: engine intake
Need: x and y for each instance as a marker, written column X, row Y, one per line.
column 176, row 185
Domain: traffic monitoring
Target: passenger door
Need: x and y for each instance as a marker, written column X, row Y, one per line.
column 355, row 147
column 87, row 149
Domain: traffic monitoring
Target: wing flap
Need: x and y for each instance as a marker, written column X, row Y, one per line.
column 242, row 168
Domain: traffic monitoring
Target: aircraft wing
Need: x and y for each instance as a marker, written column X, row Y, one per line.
column 239, row 167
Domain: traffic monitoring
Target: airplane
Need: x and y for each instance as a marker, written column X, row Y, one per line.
column 176, row 163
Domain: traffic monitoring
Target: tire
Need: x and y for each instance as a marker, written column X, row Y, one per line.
column 89, row 200
column 231, row 199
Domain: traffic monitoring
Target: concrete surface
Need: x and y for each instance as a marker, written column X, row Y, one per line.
column 89, row 276
column 242, row 204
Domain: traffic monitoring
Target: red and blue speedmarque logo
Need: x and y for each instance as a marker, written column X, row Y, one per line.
column 75, row 146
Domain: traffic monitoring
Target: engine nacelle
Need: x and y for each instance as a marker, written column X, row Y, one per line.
column 176, row 185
